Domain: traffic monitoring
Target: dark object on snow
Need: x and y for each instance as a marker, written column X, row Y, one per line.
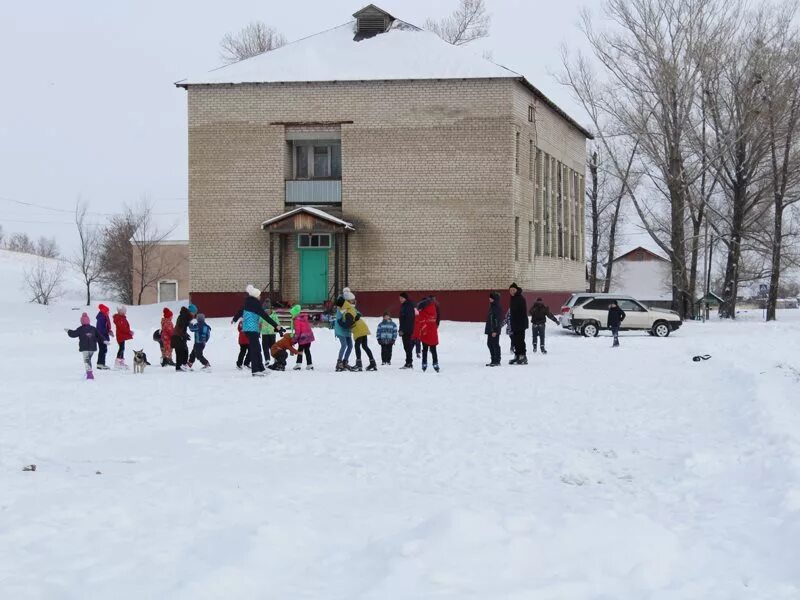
column 157, row 335
column 701, row 357
column 29, row 468
column 98, row 473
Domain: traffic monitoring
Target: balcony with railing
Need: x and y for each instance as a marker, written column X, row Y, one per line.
column 314, row 191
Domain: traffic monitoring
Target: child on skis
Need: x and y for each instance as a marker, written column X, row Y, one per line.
column 87, row 342
column 202, row 333
column 124, row 334
column 268, row 331
column 303, row 337
column 428, row 332
column 244, row 349
column 280, row 352
column 167, row 329
column 104, row 333
column 387, row 336
column 344, row 319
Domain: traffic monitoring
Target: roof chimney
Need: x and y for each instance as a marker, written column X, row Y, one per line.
column 371, row 21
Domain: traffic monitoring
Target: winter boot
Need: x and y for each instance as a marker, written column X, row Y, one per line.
column 358, row 366
column 436, row 367
column 523, row 360
column 163, row 362
column 424, row 367
column 89, row 375
column 372, row 366
column 309, row 367
column 206, row 366
column 297, row 367
column 339, row 366
column 407, row 366
column 102, row 368
column 514, row 360
column 493, row 364
column 616, row 343
column 543, row 350
column 534, row 350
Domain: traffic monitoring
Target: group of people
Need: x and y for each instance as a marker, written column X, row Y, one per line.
column 265, row 344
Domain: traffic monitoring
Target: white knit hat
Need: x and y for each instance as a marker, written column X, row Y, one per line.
column 253, row 291
column 348, row 295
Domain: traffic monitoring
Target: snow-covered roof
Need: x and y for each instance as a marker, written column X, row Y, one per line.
column 320, row 214
column 403, row 52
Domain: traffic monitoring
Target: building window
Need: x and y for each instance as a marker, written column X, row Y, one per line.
column 537, row 194
column 530, row 241
column 548, row 206
column 516, row 238
column 317, row 160
column 516, row 153
column 560, row 208
column 531, row 157
column 531, row 113
column 314, row 240
column 167, row 290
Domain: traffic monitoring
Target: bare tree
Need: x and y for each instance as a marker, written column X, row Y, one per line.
column 149, row 264
column 20, row 242
column 47, row 247
column 253, row 39
column 116, row 255
column 782, row 98
column 467, row 23
column 87, row 258
column 44, row 280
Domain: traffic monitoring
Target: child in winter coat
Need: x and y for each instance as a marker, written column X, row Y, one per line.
column 124, row 334
column 428, row 332
column 202, row 333
column 167, row 330
column 360, row 335
column 303, row 337
column 268, row 330
column 493, row 329
column 104, row 333
column 342, row 325
column 180, row 335
column 387, row 336
column 280, row 352
column 244, row 349
column 87, row 342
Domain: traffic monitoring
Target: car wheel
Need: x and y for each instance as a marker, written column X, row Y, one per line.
column 590, row 329
column 661, row 329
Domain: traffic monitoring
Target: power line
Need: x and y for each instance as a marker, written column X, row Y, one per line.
column 101, row 214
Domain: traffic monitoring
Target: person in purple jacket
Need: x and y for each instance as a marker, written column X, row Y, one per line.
column 103, row 326
column 87, row 342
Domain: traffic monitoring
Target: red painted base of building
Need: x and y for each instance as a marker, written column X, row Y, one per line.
column 456, row 305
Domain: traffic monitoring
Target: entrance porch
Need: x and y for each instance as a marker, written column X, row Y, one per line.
column 308, row 256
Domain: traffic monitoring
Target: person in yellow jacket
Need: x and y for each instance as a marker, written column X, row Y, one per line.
column 361, row 332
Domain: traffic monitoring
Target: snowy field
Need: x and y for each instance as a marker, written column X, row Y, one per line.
column 591, row 473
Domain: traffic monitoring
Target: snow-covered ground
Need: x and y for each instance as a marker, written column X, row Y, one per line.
column 591, row 473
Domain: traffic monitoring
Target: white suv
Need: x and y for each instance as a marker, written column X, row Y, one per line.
column 590, row 316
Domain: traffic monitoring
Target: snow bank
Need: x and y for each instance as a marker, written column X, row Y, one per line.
column 591, row 473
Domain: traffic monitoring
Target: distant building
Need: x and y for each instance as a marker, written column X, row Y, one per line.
column 376, row 155
column 169, row 267
column 645, row 275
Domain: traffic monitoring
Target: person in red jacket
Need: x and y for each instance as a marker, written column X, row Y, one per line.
column 428, row 320
column 167, row 329
column 244, row 349
column 124, row 334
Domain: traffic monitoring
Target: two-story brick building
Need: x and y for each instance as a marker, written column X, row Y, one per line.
column 378, row 156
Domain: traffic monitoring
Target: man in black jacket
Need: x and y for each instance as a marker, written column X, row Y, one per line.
column 494, row 326
column 519, row 324
column 615, row 318
column 540, row 312
column 406, row 329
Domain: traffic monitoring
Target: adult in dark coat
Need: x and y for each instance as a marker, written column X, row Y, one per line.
column 251, row 314
column 615, row 318
column 518, row 308
column 493, row 329
column 406, row 328
column 540, row 312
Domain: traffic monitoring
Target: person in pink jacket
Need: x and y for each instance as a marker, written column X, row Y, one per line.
column 303, row 337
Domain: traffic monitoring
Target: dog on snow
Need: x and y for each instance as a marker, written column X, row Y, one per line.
column 139, row 361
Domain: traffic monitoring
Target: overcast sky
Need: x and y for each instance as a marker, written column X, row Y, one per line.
column 88, row 107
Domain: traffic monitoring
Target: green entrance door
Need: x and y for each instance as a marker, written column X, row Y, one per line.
column 313, row 275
